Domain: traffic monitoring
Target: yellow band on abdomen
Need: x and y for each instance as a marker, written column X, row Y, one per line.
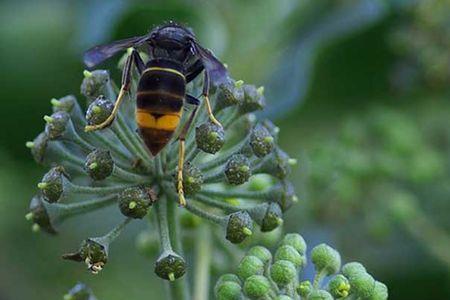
column 170, row 70
column 165, row 122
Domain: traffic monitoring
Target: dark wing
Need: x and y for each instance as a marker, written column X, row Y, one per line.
column 97, row 54
column 216, row 70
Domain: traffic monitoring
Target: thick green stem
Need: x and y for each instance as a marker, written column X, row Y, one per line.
column 163, row 226
column 252, row 195
column 179, row 288
column 133, row 139
column 219, row 204
column 202, row 264
column 114, row 233
column 129, row 176
column 59, row 212
column 78, row 189
column 216, row 177
column 318, row 278
column 206, row 215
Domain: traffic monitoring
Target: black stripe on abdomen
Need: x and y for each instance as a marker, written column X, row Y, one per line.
column 159, row 101
column 161, row 90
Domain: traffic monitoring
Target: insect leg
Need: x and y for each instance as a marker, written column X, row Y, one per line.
column 181, row 153
column 193, row 70
column 206, row 96
column 140, row 65
column 192, row 100
column 126, row 79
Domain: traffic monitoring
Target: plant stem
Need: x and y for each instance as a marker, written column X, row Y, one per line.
column 114, row 233
column 318, row 279
column 59, row 212
column 178, row 288
column 202, row 265
column 79, row 189
column 252, row 195
column 163, row 227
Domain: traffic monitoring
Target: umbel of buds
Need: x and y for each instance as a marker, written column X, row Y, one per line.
column 223, row 162
column 260, row 275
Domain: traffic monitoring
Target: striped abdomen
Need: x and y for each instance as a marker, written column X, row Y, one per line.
column 160, row 97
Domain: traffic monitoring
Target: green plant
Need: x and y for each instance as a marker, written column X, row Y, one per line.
column 234, row 176
column 424, row 38
column 386, row 168
column 263, row 275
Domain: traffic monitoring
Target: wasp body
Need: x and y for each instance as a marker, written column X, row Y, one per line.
column 176, row 58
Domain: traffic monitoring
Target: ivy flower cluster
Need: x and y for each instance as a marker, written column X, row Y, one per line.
column 263, row 275
column 93, row 170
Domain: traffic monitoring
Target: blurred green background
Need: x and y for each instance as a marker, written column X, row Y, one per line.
column 359, row 88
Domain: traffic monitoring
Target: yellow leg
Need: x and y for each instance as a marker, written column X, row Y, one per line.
column 210, row 113
column 181, row 198
column 111, row 116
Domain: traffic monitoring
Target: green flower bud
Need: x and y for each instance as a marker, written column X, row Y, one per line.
column 65, row 104
column 277, row 165
column 380, row 292
column 362, row 284
column 319, row 295
column 286, row 252
column 283, row 272
column 94, row 83
column 271, row 238
column 210, row 137
column 223, row 279
column 304, row 288
column 192, row 179
column 261, row 141
column 56, row 124
column 296, row 241
column 273, row 218
column 250, row 265
column 256, row 287
column 229, row 277
column 228, row 290
column 80, row 292
column 99, row 164
column 353, row 268
column 272, row 128
column 253, row 99
column 52, row 184
column 170, row 266
column 262, row 253
column 326, row 259
column 284, row 195
column 99, row 110
column 93, row 252
column 260, row 182
column 39, row 216
column 134, row 202
column 38, row 147
column 229, row 94
column 237, row 169
column 339, row 287
column 239, row 227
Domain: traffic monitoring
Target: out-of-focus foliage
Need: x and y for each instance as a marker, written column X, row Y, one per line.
column 384, row 168
column 40, row 55
column 424, row 39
